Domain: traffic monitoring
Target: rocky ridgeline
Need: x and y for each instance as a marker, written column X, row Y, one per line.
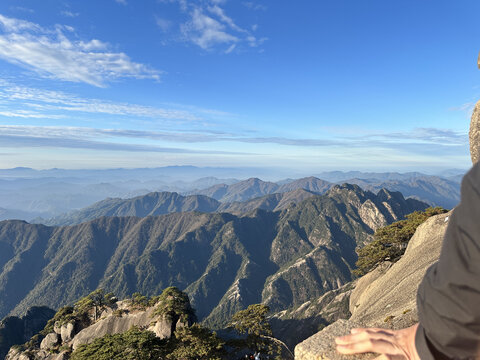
column 115, row 319
column 385, row 297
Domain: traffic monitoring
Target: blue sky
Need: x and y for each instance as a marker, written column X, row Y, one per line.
column 307, row 85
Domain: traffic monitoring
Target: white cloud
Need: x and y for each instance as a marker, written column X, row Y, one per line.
column 230, row 49
column 25, row 114
column 50, row 53
column 210, row 27
column 123, row 2
column 254, row 6
column 224, row 18
column 16, row 100
column 18, row 136
column 68, row 13
column 22, row 9
column 205, row 31
column 163, row 24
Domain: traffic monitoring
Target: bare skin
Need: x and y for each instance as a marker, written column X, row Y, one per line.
column 391, row 344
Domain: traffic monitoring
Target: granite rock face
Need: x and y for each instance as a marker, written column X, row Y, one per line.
column 385, row 297
column 67, row 332
column 50, row 341
column 474, row 134
column 111, row 320
column 393, row 294
column 321, row 346
column 118, row 324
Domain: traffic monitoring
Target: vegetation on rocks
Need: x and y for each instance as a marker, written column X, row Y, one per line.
column 131, row 345
column 196, row 342
column 96, row 300
column 174, row 305
column 390, row 242
column 253, row 323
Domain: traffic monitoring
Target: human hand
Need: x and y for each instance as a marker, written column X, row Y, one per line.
column 392, row 344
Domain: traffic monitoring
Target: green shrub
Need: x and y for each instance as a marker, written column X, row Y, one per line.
column 389, row 243
column 174, row 305
column 196, row 342
column 253, row 322
column 131, row 345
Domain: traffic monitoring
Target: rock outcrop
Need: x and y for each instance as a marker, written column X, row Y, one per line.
column 474, row 134
column 119, row 318
column 320, row 346
column 394, row 292
column 113, row 324
column 15, row 331
column 385, row 297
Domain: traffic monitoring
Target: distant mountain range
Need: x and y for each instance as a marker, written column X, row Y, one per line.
column 223, row 261
column 245, row 196
column 434, row 190
column 28, row 194
column 254, row 187
column 160, row 203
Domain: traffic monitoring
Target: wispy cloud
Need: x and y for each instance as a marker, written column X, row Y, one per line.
column 22, row 9
column 445, row 137
column 163, row 24
column 69, row 13
column 25, row 114
column 55, row 53
column 205, row 31
column 83, row 138
column 209, row 26
column 123, row 2
column 52, row 104
column 254, row 6
column 424, row 141
column 466, row 107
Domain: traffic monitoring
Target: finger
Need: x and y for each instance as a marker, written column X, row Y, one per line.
column 372, row 330
column 363, row 335
column 380, row 346
column 357, row 330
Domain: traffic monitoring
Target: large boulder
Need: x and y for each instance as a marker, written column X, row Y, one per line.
column 321, row 346
column 385, row 297
column 393, row 294
column 118, row 324
column 15, row 354
column 474, row 134
column 67, row 331
column 50, row 341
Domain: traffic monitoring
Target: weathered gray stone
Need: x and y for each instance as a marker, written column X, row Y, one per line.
column 474, row 134
column 67, row 332
column 162, row 328
column 364, row 282
column 15, row 354
column 64, row 355
column 57, row 327
column 386, row 297
column 114, row 325
column 321, row 346
column 50, row 341
column 393, row 294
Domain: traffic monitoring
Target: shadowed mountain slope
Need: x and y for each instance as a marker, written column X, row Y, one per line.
column 159, row 203
column 433, row 190
column 224, row 262
column 155, row 203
